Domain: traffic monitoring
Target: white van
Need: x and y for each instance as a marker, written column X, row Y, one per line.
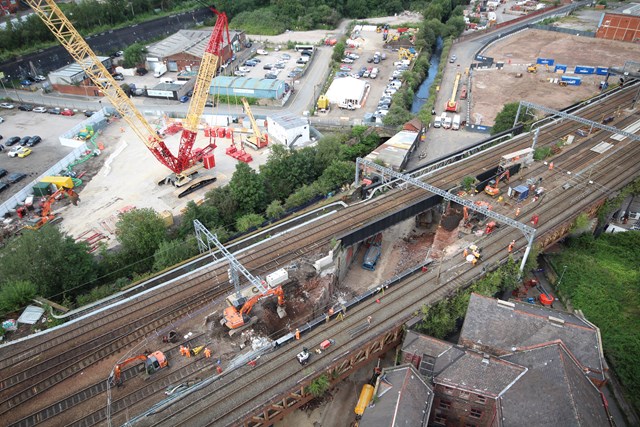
column 455, row 125
column 446, row 121
column 437, row 122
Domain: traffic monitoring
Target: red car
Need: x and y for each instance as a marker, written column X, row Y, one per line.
column 67, row 112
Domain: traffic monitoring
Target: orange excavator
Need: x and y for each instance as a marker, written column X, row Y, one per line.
column 45, row 214
column 152, row 363
column 238, row 319
column 492, row 187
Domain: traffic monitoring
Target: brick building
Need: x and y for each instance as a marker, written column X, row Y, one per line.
column 621, row 24
column 514, row 365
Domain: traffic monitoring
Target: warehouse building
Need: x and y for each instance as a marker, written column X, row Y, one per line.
column 73, row 80
column 621, row 24
column 184, row 50
column 396, row 152
column 288, row 129
column 229, row 86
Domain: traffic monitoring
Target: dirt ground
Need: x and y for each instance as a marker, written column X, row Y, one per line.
column 492, row 88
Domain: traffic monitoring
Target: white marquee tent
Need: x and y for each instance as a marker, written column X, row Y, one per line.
column 347, row 90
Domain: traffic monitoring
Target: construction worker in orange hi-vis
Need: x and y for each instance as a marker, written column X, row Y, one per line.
column 207, row 352
column 187, row 351
column 534, row 219
column 297, row 333
column 517, row 211
column 182, row 349
column 465, row 253
column 511, row 245
column 330, row 311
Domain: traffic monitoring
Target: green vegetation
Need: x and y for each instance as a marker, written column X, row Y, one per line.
column 611, row 205
column 319, row 386
column 506, row 117
column 440, row 320
column 541, row 153
column 88, row 17
column 467, row 183
column 15, row 295
column 603, row 280
column 581, row 222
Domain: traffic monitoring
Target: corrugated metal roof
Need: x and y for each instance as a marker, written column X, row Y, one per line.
column 288, row 121
column 31, row 315
column 394, row 152
column 246, row 83
column 74, row 68
column 632, row 9
column 192, row 42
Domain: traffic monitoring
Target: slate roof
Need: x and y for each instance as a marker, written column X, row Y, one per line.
column 403, row 399
column 505, row 329
column 424, row 345
column 193, row 42
column 553, row 392
column 479, row 374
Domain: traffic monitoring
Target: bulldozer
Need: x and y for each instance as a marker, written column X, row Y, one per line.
column 532, row 68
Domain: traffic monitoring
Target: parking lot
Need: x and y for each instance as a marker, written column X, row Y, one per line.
column 46, row 153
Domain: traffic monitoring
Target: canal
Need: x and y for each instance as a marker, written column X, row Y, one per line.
column 423, row 90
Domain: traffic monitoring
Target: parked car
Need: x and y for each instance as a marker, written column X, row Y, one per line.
column 11, row 141
column 285, row 56
column 15, row 177
column 184, row 99
column 347, row 60
column 25, row 107
column 239, row 73
column 270, row 76
column 67, row 112
column 244, row 69
column 262, row 52
column 342, row 74
column 40, row 78
column 24, row 140
column 56, row 111
column 141, row 71
column 88, row 113
column 34, row 140
column 118, row 76
column 345, row 68
column 453, row 59
column 250, row 63
column 19, row 152
column 39, row 110
column 7, row 105
column 26, row 82
column 281, row 65
column 3, row 186
column 267, row 66
column 3, row 172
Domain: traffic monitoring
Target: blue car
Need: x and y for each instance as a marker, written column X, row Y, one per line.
column 26, row 82
column 184, row 99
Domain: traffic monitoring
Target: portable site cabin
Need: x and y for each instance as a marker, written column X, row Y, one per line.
column 523, row 157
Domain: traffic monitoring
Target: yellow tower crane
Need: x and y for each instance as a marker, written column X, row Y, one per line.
column 258, row 140
column 452, row 105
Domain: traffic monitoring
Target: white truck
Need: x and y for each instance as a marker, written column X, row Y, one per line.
column 159, row 71
column 446, row 121
column 455, row 125
column 346, row 106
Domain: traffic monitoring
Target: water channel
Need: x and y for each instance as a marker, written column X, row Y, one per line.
column 423, row 90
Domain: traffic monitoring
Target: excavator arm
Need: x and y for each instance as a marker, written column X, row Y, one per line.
column 207, row 71
column 246, row 308
column 117, row 370
column 72, row 41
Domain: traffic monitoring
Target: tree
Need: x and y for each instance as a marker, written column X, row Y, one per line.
column 140, row 232
column 328, row 150
column 396, row 116
column 247, row 189
column 302, row 196
column 221, row 199
column 49, row 259
column 319, row 386
column 134, row 55
column 173, row 252
column 205, row 213
column 506, row 117
column 275, row 210
column 248, row 221
column 338, row 173
column 338, row 51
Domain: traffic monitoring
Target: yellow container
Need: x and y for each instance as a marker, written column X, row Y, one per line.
column 167, row 217
column 59, row 181
column 365, row 397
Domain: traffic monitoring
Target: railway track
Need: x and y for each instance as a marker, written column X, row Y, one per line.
column 273, row 254
column 401, row 301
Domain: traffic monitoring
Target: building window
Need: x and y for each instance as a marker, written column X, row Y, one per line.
column 481, row 399
column 448, row 390
column 475, row 413
column 440, row 419
column 464, row 395
column 444, row 404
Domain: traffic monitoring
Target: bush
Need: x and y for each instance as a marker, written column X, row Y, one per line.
column 96, row 294
column 248, row 221
column 467, row 183
column 541, row 153
column 275, row 210
column 302, row 196
column 319, row 386
column 16, row 295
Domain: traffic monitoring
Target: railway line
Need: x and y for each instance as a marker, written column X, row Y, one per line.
column 30, row 368
column 399, row 303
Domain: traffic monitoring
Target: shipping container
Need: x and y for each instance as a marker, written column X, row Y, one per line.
column 560, row 68
column 571, row 80
column 602, row 71
column 545, row 61
column 583, row 69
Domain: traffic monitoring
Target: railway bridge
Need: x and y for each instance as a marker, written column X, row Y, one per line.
column 37, row 371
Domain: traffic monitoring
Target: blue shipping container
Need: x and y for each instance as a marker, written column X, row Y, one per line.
column 560, row 67
column 575, row 81
column 581, row 69
column 602, row 71
column 545, row 61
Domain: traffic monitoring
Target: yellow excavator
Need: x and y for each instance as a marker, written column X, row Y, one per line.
column 532, row 68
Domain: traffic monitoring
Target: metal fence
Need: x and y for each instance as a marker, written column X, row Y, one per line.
column 564, row 30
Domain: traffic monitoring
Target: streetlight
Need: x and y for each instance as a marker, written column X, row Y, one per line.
column 564, row 269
